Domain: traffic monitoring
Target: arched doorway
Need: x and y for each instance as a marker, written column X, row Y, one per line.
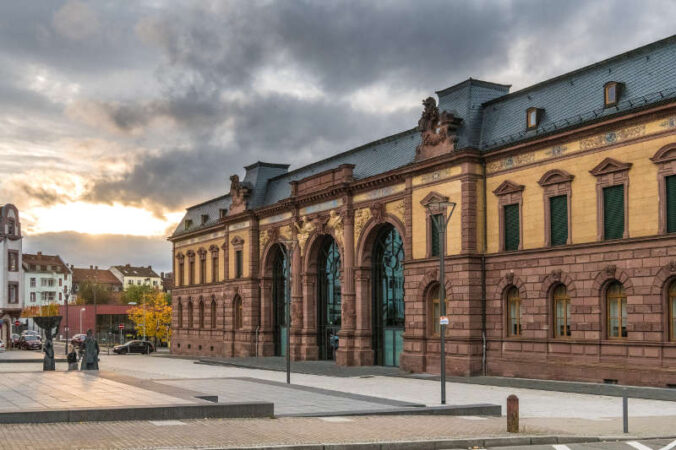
column 279, row 300
column 388, row 297
column 328, row 299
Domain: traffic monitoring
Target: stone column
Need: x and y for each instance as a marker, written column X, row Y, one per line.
column 345, row 353
column 296, row 325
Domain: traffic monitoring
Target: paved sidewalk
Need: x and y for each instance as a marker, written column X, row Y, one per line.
column 235, row 433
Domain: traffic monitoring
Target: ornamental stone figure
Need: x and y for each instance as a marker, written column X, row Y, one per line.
column 90, row 359
column 48, row 349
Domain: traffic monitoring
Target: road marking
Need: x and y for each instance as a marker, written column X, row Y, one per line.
column 560, row 447
column 669, row 446
column 335, row 419
column 473, row 418
column 166, row 423
column 638, row 445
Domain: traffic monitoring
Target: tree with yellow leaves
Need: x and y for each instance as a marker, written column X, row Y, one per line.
column 153, row 313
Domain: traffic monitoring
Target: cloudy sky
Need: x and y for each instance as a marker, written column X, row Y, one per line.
column 115, row 116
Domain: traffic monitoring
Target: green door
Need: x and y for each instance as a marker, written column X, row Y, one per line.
column 279, row 302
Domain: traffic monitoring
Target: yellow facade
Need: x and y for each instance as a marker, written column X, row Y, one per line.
column 246, row 250
column 195, row 247
column 452, row 190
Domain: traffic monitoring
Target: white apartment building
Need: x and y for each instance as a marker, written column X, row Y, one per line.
column 11, row 283
column 47, row 279
column 136, row 276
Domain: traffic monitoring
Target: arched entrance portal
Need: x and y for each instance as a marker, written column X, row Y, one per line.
column 388, row 296
column 279, row 300
column 328, row 299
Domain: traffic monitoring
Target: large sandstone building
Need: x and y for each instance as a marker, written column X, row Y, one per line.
column 560, row 255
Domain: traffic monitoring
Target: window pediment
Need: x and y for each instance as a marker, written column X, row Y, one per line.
column 508, row 187
column 610, row 165
column 433, row 198
column 213, row 248
column 555, row 176
column 237, row 242
column 665, row 154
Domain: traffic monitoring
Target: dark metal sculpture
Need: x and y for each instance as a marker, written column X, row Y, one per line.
column 51, row 326
column 90, row 359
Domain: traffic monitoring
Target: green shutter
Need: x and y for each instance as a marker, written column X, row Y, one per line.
column 671, row 204
column 436, row 247
column 511, row 227
column 558, row 209
column 613, row 212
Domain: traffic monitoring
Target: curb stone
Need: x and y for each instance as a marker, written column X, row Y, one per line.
column 448, row 444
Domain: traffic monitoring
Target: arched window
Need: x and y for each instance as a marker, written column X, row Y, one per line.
column 514, row 309
column 190, row 323
column 616, row 311
column 237, row 307
column 328, row 298
column 213, row 313
column 672, row 310
column 180, row 313
column 435, row 309
column 561, row 311
column 201, row 314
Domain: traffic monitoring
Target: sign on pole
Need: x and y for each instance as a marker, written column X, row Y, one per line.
column 443, row 320
column 17, row 323
column 121, row 326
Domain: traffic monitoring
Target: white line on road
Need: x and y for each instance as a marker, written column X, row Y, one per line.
column 560, row 447
column 669, row 447
column 638, row 445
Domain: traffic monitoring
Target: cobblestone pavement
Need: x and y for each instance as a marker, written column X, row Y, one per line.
column 229, row 433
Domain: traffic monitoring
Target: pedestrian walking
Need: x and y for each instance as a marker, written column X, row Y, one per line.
column 72, row 357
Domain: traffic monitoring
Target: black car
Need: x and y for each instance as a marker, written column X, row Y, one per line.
column 134, row 347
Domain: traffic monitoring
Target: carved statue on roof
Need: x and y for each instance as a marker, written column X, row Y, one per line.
column 430, row 115
column 238, row 195
column 437, row 129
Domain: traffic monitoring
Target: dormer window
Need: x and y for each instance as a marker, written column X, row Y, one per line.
column 188, row 224
column 611, row 93
column 205, row 218
column 222, row 212
column 533, row 116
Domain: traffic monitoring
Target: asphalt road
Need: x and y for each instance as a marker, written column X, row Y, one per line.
column 644, row 444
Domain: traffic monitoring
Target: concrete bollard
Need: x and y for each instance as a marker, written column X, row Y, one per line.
column 512, row 414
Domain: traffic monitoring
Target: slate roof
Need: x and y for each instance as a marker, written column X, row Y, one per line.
column 491, row 118
column 569, row 100
column 132, row 271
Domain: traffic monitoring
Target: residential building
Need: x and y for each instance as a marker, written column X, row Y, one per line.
column 136, row 276
column 560, row 254
column 102, row 277
column 47, row 279
column 11, row 283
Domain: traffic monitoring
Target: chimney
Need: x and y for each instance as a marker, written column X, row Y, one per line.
column 127, row 265
column 91, row 267
column 161, row 274
column 39, row 253
column 96, row 267
column 150, row 267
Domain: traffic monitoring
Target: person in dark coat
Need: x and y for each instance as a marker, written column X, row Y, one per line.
column 90, row 359
column 72, row 357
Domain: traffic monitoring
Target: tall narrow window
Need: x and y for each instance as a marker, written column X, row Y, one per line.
column 670, row 183
column 214, row 267
column 203, row 270
column 434, row 234
column 201, row 314
column 613, row 212
column 435, row 310
column 237, row 307
column 616, row 310
column 13, row 293
column 558, row 210
column 561, row 311
column 181, row 273
column 672, row 310
column 514, row 308
column 511, row 226
column 190, row 314
column 180, row 313
column 238, row 264
column 213, row 313
column 13, row 261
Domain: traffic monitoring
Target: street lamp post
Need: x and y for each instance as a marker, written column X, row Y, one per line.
column 288, row 248
column 439, row 208
column 67, row 329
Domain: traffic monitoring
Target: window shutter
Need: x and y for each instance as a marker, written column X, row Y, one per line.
column 436, row 250
column 671, row 204
column 511, row 227
column 558, row 209
column 613, row 212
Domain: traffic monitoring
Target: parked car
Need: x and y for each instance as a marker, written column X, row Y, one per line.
column 78, row 340
column 134, row 347
column 14, row 341
column 33, row 332
column 2, row 346
column 30, row 342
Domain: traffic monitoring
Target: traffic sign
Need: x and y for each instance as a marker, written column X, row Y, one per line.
column 17, row 323
column 443, row 320
column 121, row 326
